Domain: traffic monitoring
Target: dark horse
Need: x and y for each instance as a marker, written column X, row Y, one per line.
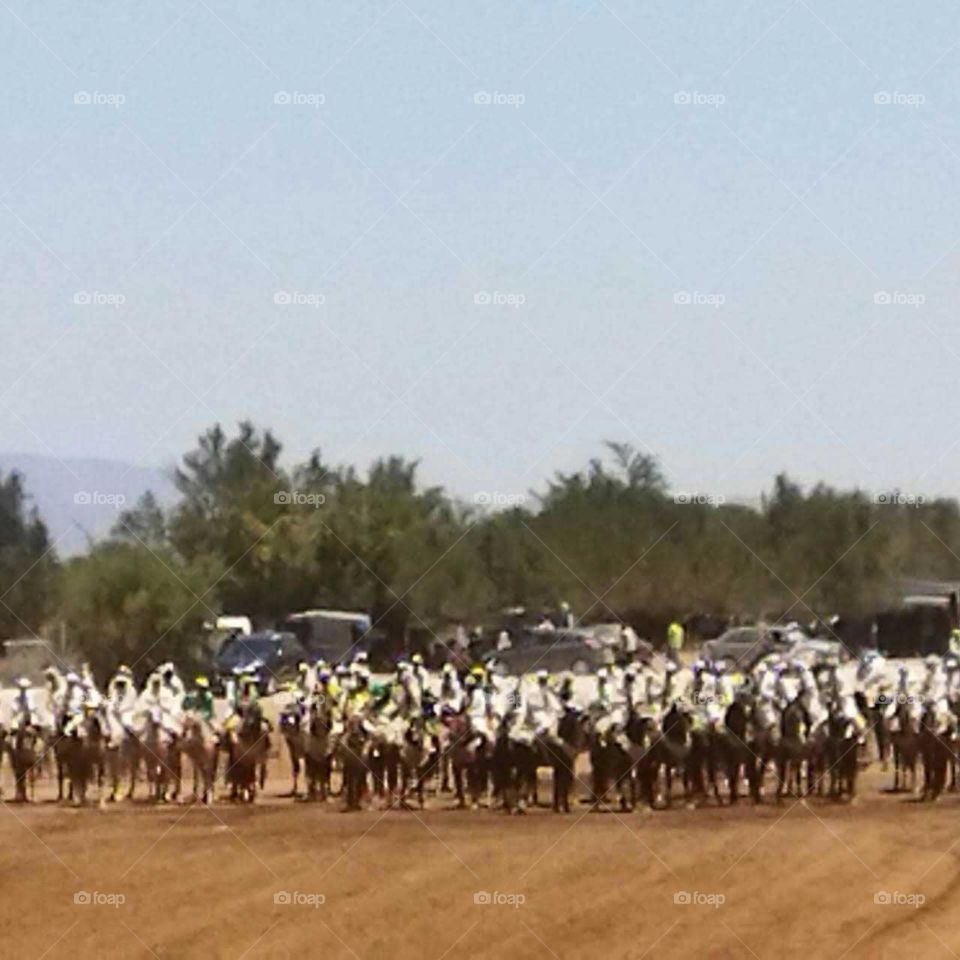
column 675, row 749
column 793, row 751
column 840, row 754
column 26, row 752
column 352, row 748
column 905, row 737
column 936, row 746
column 245, row 751
column 730, row 746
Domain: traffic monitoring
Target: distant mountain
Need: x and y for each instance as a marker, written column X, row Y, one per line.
column 80, row 499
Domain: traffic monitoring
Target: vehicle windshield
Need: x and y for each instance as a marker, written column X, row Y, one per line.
column 239, row 650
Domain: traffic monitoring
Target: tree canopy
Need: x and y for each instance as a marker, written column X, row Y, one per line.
column 251, row 535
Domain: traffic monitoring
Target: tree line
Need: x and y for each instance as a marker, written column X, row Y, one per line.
column 249, row 535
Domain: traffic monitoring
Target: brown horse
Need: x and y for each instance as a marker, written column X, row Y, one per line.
column 201, row 745
column 467, row 758
column 84, row 753
column 318, row 751
column 25, row 745
column 905, row 737
column 351, row 748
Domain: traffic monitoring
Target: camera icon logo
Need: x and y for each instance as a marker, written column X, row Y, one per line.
column 282, row 898
column 482, row 898
column 281, row 97
column 281, row 298
column 82, row 898
column 81, row 97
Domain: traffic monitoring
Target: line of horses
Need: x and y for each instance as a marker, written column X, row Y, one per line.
column 82, row 757
column 650, row 759
column 646, row 760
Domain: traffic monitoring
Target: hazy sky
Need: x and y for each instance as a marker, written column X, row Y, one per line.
column 630, row 156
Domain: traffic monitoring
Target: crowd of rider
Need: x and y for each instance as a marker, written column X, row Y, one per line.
column 527, row 708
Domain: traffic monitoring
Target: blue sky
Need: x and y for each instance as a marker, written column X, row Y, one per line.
column 786, row 167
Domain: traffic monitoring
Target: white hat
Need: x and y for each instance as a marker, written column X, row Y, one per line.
column 24, row 684
column 71, row 677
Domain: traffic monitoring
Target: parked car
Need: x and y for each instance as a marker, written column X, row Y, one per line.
column 747, row 645
column 580, row 650
column 331, row 635
column 273, row 655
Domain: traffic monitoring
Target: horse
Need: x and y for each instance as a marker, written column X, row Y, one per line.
column 793, row 750
column 417, row 761
column 291, row 722
column 84, row 754
column 351, row 748
column 25, row 745
column 561, row 752
column 247, row 747
column 467, row 756
column 905, row 738
column 936, row 745
column 842, row 745
column 674, row 751
column 730, row 743
column 201, row 745
column 385, row 741
column 318, row 751
column 763, row 741
column 122, row 758
column 158, row 748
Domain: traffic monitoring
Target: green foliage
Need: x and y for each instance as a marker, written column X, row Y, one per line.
column 128, row 603
column 27, row 563
column 250, row 536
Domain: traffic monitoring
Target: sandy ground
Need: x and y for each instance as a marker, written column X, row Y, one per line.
column 798, row 880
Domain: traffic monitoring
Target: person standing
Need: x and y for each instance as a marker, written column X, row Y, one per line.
column 675, row 638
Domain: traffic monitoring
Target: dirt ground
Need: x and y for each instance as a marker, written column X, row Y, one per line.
column 798, row 880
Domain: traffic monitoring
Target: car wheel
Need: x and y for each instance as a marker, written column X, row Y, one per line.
column 580, row 667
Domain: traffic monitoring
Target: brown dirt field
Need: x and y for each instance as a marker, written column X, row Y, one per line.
column 798, row 880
